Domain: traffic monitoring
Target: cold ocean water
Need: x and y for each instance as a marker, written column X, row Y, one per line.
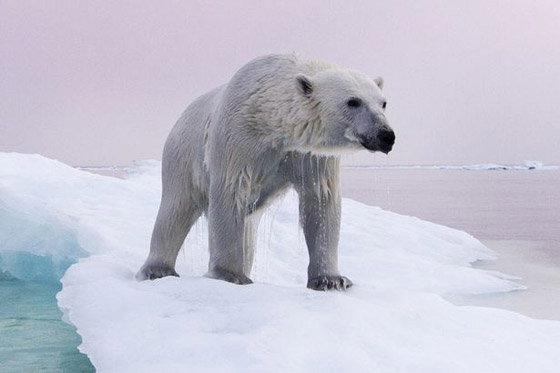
column 514, row 212
column 33, row 336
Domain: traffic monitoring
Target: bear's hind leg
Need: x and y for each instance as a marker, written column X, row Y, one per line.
column 175, row 219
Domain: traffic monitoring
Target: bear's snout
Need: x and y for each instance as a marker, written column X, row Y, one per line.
column 386, row 139
column 383, row 141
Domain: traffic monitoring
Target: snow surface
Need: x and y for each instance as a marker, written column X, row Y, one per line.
column 395, row 318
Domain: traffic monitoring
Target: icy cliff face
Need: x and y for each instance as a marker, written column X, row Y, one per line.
column 393, row 320
column 35, row 247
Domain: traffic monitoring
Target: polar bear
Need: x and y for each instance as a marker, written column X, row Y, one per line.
column 281, row 121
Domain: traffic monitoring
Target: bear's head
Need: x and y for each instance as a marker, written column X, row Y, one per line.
column 350, row 107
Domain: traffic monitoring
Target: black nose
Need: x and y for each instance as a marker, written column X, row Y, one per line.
column 383, row 141
column 386, row 140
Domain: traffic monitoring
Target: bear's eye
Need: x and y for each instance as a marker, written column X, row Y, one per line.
column 354, row 102
column 384, row 105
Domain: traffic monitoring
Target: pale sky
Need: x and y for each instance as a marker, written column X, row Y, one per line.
column 103, row 82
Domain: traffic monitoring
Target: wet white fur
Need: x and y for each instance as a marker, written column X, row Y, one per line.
column 240, row 145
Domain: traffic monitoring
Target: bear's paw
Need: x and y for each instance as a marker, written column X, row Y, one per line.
column 229, row 276
column 155, row 271
column 324, row 283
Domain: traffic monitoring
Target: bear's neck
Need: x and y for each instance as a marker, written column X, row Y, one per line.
column 288, row 123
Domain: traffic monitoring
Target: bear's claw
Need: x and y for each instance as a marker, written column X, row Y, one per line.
column 224, row 274
column 329, row 283
column 152, row 272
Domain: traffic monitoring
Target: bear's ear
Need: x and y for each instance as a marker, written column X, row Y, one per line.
column 379, row 82
column 304, row 85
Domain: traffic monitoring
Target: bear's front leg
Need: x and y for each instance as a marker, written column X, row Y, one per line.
column 319, row 208
column 230, row 250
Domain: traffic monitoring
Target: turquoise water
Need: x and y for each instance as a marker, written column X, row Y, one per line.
column 33, row 337
column 35, row 252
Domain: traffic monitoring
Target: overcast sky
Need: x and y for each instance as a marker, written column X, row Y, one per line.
column 103, row 82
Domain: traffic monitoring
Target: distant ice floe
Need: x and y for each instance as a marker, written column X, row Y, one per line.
column 395, row 318
column 527, row 165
